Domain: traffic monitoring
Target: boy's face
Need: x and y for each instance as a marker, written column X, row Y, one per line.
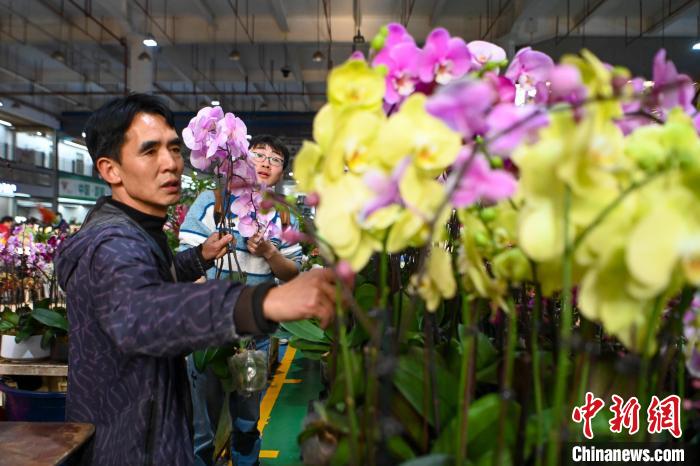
column 147, row 177
column 269, row 164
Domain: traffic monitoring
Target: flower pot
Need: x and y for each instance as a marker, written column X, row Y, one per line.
column 59, row 349
column 28, row 350
column 31, row 406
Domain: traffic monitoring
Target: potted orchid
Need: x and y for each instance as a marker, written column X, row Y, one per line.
column 32, row 318
column 519, row 216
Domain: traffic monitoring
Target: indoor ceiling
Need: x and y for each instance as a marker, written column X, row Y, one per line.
column 67, row 55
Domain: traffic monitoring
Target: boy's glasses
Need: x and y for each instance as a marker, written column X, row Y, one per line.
column 260, row 158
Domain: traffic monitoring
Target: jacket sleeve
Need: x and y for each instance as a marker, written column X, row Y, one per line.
column 144, row 315
column 195, row 229
column 190, row 265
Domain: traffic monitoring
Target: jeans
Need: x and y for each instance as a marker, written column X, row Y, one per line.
column 207, row 401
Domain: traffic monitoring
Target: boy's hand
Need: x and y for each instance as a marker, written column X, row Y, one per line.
column 310, row 295
column 258, row 246
column 215, row 247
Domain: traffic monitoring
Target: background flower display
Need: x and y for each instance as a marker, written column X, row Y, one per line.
column 501, row 216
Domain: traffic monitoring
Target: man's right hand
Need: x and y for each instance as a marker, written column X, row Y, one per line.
column 310, row 295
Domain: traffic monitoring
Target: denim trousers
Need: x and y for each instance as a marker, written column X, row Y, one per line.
column 207, row 402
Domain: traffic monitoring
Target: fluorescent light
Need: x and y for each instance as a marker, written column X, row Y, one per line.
column 67, row 200
column 150, row 41
column 5, row 123
column 22, row 195
column 215, row 103
column 696, row 46
column 75, row 144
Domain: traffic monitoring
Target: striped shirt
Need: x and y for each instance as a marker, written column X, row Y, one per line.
column 199, row 224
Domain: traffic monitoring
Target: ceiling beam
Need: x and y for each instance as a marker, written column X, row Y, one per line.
column 206, row 11
column 277, row 9
column 578, row 21
column 662, row 19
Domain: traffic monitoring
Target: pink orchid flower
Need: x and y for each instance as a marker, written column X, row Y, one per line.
column 529, row 67
column 463, row 105
column 443, row 58
column 481, row 183
column 483, row 52
column 671, row 89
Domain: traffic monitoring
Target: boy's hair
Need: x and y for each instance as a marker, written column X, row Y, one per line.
column 106, row 128
column 7, row 218
column 275, row 144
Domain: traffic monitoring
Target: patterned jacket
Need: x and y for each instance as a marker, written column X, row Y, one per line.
column 130, row 327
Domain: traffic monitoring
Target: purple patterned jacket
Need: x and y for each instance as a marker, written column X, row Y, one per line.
column 130, row 328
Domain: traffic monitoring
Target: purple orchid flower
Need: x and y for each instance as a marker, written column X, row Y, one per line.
column 529, row 67
column 402, row 76
column 200, row 136
column 481, row 183
column 396, row 34
column 462, row 105
column 671, row 89
column 386, row 188
column 503, row 86
column 231, row 133
column 483, row 52
column 696, row 120
column 443, row 58
column 565, row 85
column 508, row 125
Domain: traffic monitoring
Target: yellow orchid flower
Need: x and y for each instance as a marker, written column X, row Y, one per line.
column 306, row 166
column 352, row 142
column 432, row 145
column 438, row 282
column 357, row 86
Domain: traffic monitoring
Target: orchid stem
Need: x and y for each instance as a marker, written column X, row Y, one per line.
column 507, row 381
column 463, row 394
column 347, row 372
column 536, row 375
column 564, row 341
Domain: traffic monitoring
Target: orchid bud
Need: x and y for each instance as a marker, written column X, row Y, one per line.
column 312, row 199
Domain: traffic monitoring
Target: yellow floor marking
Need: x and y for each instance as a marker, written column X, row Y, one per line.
column 270, row 454
column 273, row 391
column 293, row 381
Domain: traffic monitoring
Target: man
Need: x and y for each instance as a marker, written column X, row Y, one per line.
column 130, row 323
column 263, row 261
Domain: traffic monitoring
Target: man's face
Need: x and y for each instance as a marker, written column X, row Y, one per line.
column 150, row 167
column 269, row 164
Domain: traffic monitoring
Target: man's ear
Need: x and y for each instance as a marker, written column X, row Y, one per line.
column 109, row 170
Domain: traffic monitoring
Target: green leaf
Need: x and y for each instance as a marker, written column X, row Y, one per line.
column 47, row 338
column 9, row 316
column 24, row 333
column 408, row 379
column 203, row 357
column 50, row 318
column 399, row 448
column 366, row 296
column 306, row 345
column 6, row 326
column 306, row 330
column 430, row 460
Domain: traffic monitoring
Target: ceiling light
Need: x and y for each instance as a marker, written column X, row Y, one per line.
column 1, row 104
column 150, row 41
column 5, row 123
column 234, row 55
column 39, row 133
column 318, row 56
column 58, row 56
column 144, row 57
column 215, row 103
column 83, row 134
column 358, row 38
column 696, row 46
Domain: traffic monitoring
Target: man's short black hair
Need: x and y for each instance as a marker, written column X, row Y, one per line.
column 275, row 144
column 106, row 128
column 7, row 218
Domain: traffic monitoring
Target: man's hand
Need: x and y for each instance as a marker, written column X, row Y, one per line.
column 257, row 246
column 215, row 247
column 310, row 295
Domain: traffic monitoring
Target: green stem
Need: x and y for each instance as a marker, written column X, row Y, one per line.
column 536, row 375
column 507, row 380
column 347, row 372
column 646, row 355
column 563, row 362
column 463, row 393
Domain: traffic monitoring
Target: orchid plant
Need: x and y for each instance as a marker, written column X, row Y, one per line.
column 31, row 301
column 510, row 213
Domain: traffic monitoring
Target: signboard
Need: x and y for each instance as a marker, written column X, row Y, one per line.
column 8, row 189
column 81, row 187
